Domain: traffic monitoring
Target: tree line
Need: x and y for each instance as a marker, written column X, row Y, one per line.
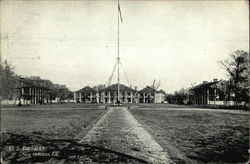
column 10, row 81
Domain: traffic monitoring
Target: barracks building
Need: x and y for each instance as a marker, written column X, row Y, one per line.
column 126, row 95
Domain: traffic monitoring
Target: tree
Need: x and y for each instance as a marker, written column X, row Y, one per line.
column 55, row 90
column 8, row 80
column 179, row 97
column 99, row 87
column 61, row 92
column 170, row 98
column 237, row 67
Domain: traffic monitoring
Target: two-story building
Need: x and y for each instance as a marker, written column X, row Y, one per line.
column 126, row 95
column 30, row 92
column 86, row 95
column 211, row 93
column 150, row 95
column 110, row 94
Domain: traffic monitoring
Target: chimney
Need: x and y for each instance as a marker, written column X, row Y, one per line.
column 204, row 82
column 215, row 80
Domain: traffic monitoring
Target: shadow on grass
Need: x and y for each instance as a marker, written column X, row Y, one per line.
column 29, row 149
column 223, row 147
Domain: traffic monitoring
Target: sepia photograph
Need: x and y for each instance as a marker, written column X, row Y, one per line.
column 124, row 81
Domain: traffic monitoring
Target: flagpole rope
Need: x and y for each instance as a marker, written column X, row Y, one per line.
column 110, row 78
column 126, row 77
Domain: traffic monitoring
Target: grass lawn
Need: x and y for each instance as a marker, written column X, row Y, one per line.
column 50, row 134
column 50, row 121
column 197, row 135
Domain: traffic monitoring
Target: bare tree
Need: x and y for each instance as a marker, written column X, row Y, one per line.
column 237, row 67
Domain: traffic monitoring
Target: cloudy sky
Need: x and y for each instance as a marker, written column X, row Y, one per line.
column 75, row 42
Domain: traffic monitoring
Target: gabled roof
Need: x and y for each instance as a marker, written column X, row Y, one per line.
column 148, row 89
column 87, row 89
column 114, row 87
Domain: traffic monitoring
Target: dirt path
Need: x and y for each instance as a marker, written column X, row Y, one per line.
column 118, row 130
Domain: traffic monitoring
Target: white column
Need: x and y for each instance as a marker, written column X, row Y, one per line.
column 97, row 97
column 208, row 96
column 80, row 97
column 38, row 97
column 35, row 91
column 75, row 101
column 214, row 96
column 137, row 99
column 109, row 96
column 91, row 97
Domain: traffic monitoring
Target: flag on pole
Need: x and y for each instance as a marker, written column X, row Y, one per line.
column 119, row 10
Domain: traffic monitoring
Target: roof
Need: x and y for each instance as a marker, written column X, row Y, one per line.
column 206, row 85
column 114, row 87
column 148, row 89
column 161, row 91
column 87, row 89
column 26, row 82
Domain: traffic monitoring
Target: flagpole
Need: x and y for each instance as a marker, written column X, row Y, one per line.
column 118, row 51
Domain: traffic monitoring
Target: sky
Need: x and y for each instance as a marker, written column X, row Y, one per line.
column 75, row 42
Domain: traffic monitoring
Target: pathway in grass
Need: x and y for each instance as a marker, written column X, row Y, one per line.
column 118, row 130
